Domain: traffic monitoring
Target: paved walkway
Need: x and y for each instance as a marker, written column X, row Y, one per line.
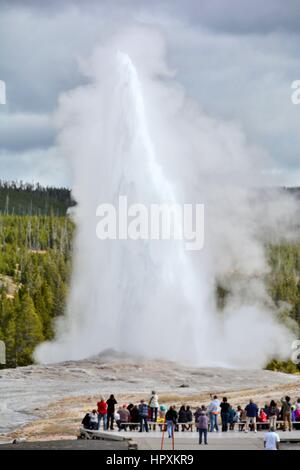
column 232, row 440
column 152, row 441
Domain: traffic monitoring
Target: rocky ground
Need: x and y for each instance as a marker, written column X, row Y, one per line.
column 48, row 402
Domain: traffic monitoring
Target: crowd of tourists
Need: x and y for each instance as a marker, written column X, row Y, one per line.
column 219, row 415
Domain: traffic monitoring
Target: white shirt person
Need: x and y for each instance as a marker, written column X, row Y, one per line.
column 271, row 440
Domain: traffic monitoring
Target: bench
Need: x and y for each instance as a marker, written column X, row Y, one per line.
column 152, row 426
column 129, row 425
column 279, row 424
column 190, row 424
column 266, row 424
column 259, row 425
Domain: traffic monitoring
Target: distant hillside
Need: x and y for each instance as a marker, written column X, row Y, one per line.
column 18, row 198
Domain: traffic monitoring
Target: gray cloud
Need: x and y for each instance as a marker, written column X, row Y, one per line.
column 220, row 15
column 237, row 61
column 20, row 132
column 35, row 165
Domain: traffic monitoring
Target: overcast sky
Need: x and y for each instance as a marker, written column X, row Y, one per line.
column 237, row 58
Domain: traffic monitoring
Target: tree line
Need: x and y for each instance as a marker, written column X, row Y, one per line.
column 20, row 198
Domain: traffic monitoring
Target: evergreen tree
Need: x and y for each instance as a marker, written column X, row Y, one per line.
column 29, row 330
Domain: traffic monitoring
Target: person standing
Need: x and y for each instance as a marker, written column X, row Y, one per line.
column 214, row 409
column 189, row 417
column 153, row 404
column 143, row 413
column 273, row 413
column 182, row 417
column 251, row 411
column 171, row 420
column 202, row 425
column 111, row 403
column 243, row 419
column 271, row 440
column 102, row 413
column 225, row 414
column 197, row 413
column 286, row 413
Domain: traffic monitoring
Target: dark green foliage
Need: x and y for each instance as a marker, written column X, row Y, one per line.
column 284, row 286
column 283, row 366
column 28, row 329
column 284, row 280
column 18, row 198
column 35, row 264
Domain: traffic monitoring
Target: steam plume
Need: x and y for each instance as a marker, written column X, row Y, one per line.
column 134, row 131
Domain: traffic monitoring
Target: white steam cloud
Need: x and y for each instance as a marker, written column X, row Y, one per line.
column 134, row 131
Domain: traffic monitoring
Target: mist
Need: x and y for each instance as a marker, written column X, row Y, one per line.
column 134, row 130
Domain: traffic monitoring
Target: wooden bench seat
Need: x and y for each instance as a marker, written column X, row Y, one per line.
column 152, row 425
column 129, row 425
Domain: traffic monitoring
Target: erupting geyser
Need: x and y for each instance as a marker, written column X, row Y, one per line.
column 133, row 131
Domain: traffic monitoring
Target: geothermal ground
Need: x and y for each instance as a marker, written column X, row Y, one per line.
column 48, row 402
